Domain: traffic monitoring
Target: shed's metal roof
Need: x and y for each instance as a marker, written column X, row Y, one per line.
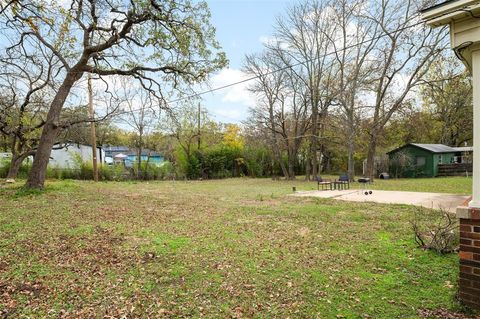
column 463, row 149
column 435, row 148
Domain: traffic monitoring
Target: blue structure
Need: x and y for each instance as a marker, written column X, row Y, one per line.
column 155, row 158
column 152, row 157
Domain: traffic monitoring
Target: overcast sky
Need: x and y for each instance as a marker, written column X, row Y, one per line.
column 241, row 26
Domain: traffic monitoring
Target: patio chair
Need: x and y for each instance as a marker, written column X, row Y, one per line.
column 343, row 182
column 324, row 182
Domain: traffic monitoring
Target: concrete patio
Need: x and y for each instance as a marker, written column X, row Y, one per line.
column 429, row 200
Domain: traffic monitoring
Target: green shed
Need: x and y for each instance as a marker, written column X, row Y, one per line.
column 419, row 160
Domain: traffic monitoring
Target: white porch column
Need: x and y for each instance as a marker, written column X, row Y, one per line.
column 475, row 203
column 461, row 16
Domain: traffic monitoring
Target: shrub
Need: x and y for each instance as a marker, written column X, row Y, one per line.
column 258, row 162
column 436, row 230
column 220, row 162
column 149, row 171
column 22, row 172
column 4, row 167
column 113, row 173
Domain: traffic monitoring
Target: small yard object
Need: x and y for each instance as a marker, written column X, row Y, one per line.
column 365, row 181
column 343, row 182
column 324, row 183
column 384, row 176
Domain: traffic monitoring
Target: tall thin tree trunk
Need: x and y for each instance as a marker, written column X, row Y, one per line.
column 36, row 178
column 308, row 170
column 313, row 151
column 351, row 159
column 139, row 162
column 291, row 166
column 372, row 149
column 278, row 157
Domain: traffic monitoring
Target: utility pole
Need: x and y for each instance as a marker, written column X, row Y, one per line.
column 92, row 128
column 198, row 126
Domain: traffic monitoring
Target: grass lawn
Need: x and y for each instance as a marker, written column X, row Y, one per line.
column 453, row 185
column 233, row 248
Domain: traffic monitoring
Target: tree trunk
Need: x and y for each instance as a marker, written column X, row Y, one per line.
column 36, row 178
column 291, row 166
column 15, row 165
column 313, row 154
column 372, row 148
column 139, row 162
column 307, row 166
column 147, row 163
column 278, row 157
column 314, row 136
column 351, row 160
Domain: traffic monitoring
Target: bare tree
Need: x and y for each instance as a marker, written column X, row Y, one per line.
column 268, row 88
column 296, row 119
column 354, row 39
column 139, row 112
column 159, row 43
column 403, row 56
column 303, row 36
column 283, row 105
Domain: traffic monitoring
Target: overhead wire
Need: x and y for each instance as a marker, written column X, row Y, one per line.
column 219, row 88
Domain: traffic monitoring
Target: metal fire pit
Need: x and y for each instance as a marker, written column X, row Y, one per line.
column 366, row 185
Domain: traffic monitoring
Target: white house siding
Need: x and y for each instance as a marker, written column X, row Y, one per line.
column 64, row 158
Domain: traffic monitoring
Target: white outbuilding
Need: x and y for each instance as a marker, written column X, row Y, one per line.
column 67, row 156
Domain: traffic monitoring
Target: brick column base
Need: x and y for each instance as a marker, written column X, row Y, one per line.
column 469, row 284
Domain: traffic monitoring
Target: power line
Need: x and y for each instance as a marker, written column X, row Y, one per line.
column 293, row 65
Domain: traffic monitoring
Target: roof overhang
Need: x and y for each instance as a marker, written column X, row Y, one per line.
column 463, row 17
column 450, row 11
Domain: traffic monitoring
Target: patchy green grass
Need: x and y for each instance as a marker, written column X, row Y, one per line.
column 235, row 248
column 453, row 185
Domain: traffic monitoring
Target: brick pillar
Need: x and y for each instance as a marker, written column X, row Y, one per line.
column 469, row 284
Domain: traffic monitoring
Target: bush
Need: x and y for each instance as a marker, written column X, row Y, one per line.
column 223, row 161
column 167, row 171
column 258, row 162
column 216, row 162
column 84, row 171
column 5, row 166
column 437, row 230
column 113, row 173
column 149, row 171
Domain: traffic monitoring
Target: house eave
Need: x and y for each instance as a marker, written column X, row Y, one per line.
column 447, row 12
